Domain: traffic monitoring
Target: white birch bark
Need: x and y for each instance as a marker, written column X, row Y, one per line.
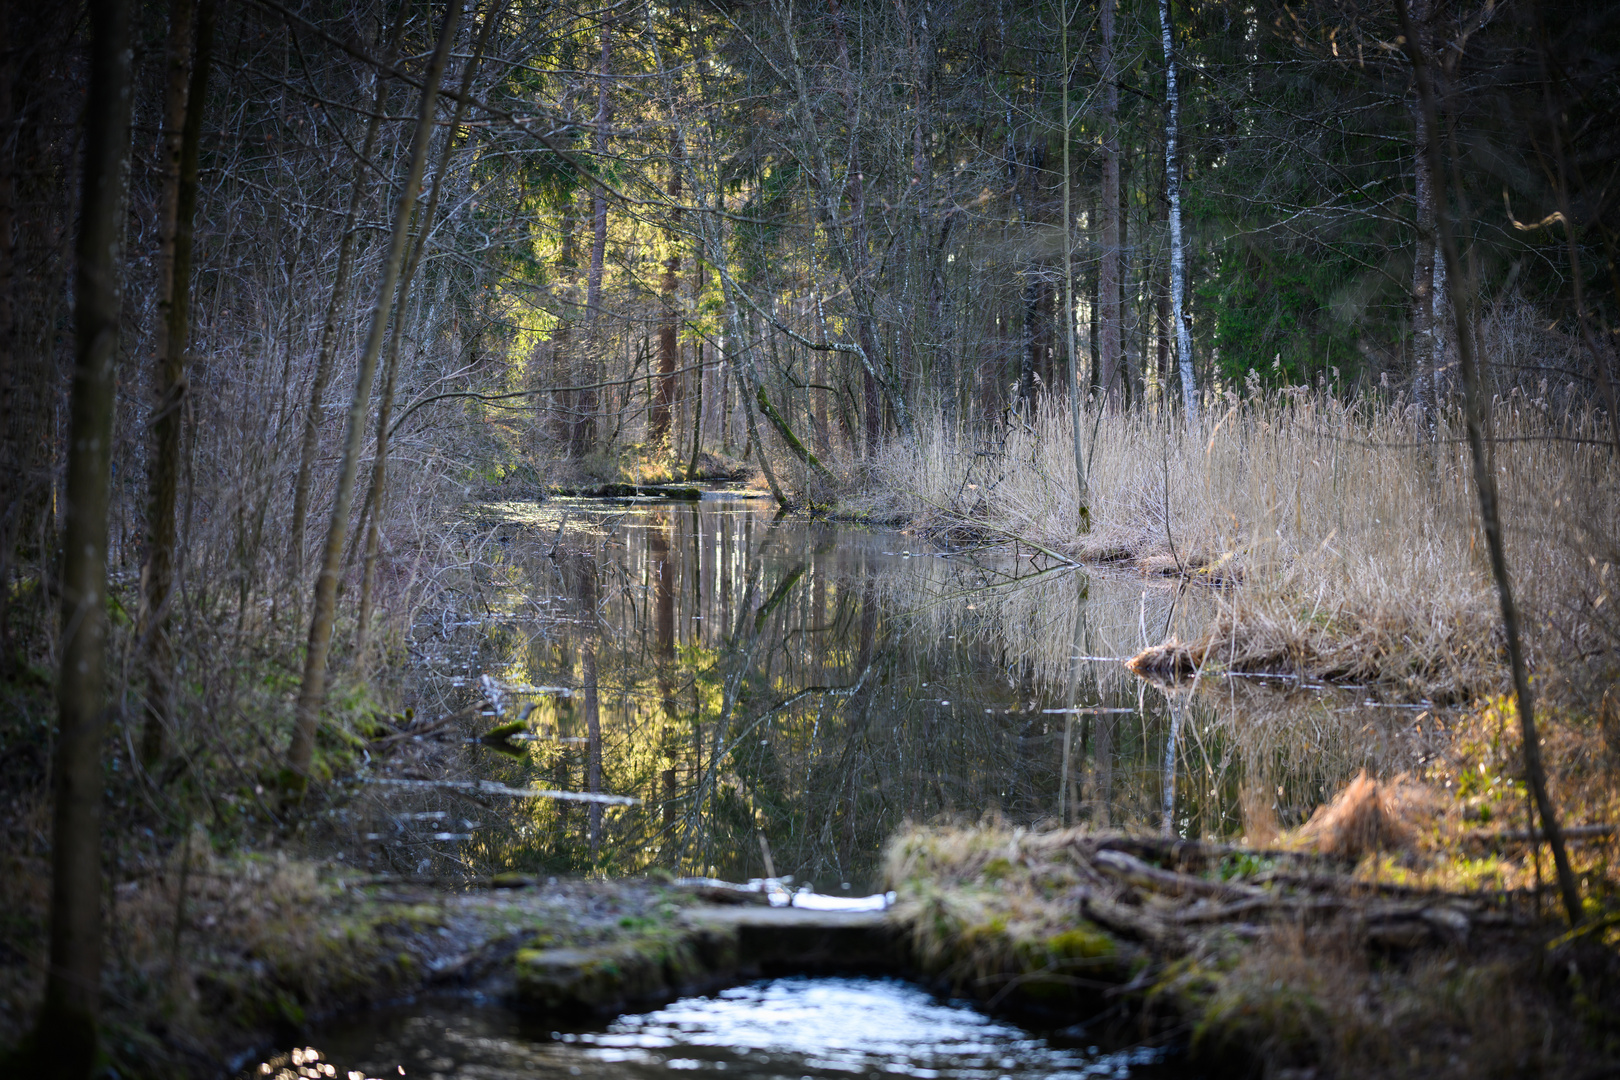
column 1178, row 250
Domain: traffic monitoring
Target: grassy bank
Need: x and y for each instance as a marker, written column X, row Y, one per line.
column 1350, row 528
column 1274, row 963
column 211, row 956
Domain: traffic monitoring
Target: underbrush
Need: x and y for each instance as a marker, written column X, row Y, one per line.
column 1473, row 834
column 199, row 942
column 206, row 952
column 1344, row 535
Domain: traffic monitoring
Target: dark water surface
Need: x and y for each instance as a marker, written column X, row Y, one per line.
column 782, row 1029
column 815, row 686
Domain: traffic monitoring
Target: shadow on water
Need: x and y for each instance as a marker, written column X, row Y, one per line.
column 795, row 691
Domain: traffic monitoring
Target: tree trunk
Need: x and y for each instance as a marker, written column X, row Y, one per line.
column 1423, row 261
column 313, row 691
column 371, row 513
column 1485, row 479
column 851, row 246
column 1083, row 497
column 697, row 409
column 582, row 437
column 1108, row 270
column 326, row 354
column 186, row 98
column 1555, row 123
column 66, row 1036
column 669, row 348
column 1178, row 249
column 9, row 368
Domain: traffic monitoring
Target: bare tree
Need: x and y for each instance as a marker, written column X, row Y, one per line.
column 1110, row 373
column 312, row 693
column 326, row 354
column 658, row 421
column 1068, row 300
column 371, row 513
column 185, row 99
column 1485, row 479
column 582, row 437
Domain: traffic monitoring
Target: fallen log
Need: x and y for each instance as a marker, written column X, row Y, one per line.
column 1133, row 871
column 1521, row 836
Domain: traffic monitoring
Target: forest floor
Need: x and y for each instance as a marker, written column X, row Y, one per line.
column 1276, row 963
column 262, row 944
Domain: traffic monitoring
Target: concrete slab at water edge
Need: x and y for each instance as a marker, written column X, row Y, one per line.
column 774, row 941
column 702, row 949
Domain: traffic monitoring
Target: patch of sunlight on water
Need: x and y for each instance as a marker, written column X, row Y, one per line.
column 781, row 1029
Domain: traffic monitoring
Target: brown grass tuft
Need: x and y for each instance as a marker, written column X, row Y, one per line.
column 1367, row 817
column 1168, row 662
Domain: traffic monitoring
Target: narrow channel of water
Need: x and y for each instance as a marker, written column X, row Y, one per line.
column 813, row 686
column 782, row 1029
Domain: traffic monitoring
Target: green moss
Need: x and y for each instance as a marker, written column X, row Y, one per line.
column 417, row 917
column 509, row 879
column 288, row 1008
column 1243, row 864
column 1276, row 1014
column 997, row 869
column 502, row 732
column 1083, row 942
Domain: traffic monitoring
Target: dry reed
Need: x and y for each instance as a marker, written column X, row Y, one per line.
column 1350, row 526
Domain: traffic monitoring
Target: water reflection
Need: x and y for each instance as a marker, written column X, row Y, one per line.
column 784, row 1028
column 795, row 691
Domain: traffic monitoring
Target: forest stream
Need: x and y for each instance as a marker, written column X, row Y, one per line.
column 746, row 688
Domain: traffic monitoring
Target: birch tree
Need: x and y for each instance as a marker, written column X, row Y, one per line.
column 1178, row 244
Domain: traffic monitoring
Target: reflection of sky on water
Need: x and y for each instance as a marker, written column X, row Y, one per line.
column 783, row 1029
column 817, row 685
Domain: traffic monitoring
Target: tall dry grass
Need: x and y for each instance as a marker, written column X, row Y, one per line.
column 1348, row 529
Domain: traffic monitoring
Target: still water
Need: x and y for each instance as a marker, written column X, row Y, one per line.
column 783, row 1029
column 798, row 690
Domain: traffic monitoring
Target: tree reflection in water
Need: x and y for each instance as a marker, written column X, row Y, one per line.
column 817, row 685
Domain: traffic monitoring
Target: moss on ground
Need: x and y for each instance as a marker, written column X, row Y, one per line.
column 268, row 943
column 1256, row 963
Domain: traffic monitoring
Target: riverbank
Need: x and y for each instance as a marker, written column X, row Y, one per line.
column 1263, row 961
column 213, row 959
column 1252, row 962
column 1341, row 537
column 566, row 643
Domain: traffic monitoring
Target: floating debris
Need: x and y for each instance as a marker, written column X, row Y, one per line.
column 489, row 787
